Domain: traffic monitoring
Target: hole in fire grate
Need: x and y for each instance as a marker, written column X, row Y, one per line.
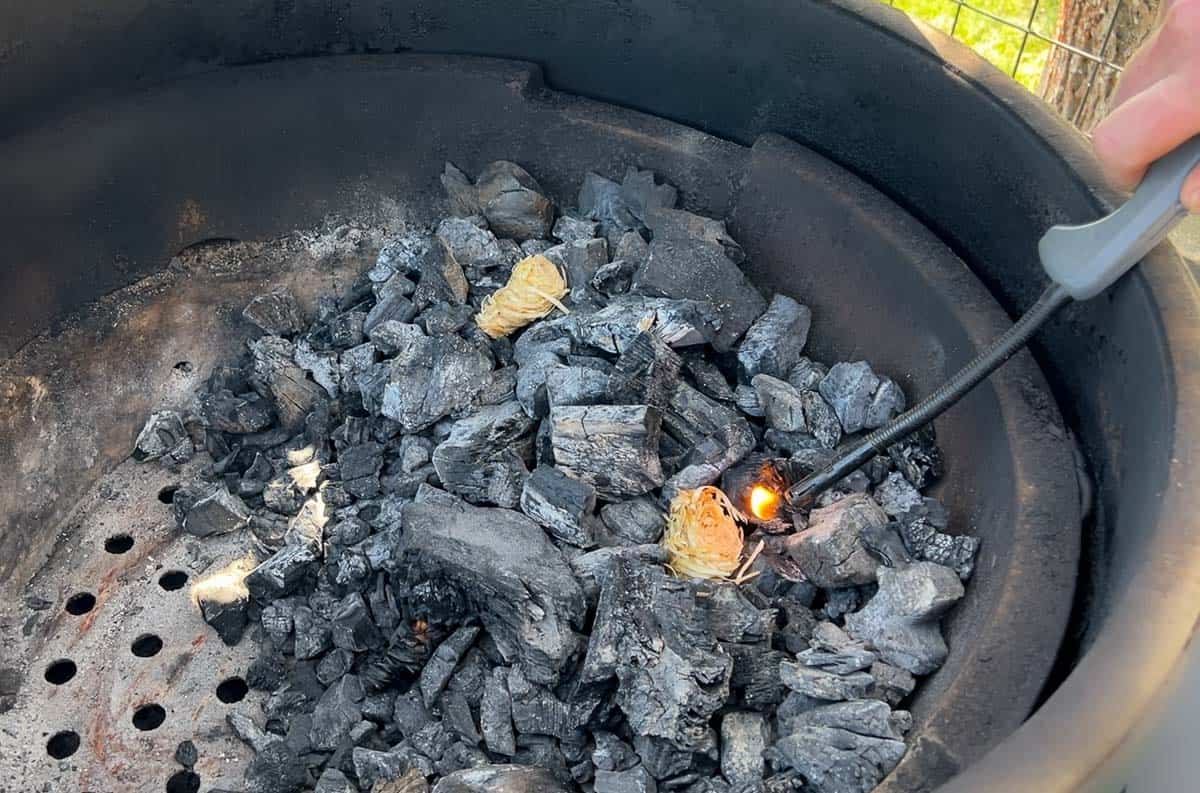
column 172, row 580
column 167, row 494
column 146, row 645
column 184, row 782
column 184, row 367
column 60, row 671
column 149, row 717
column 118, row 543
column 232, row 690
column 81, row 603
column 62, row 744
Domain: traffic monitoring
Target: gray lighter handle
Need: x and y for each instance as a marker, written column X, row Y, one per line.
column 1085, row 260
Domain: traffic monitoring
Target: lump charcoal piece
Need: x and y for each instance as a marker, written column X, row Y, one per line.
column 594, row 568
column 928, row 544
column 281, row 496
column 708, row 377
column 819, row 684
column 219, row 512
column 372, row 767
column 351, row 625
column 275, row 313
column 225, row 612
column 485, row 457
column 831, row 552
column 615, row 277
column 846, row 660
column 575, row 385
column 471, row 247
column 756, row 674
column 918, row 457
column 442, row 378
column 743, row 741
column 867, row 717
column 323, row 366
column 513, row 202
column 237, row 415
column 892, row 684
column 459, row 756
column 641, row 193
column 849, row 388
column 313, row 634
column 610, row 753
column 442, row 664
column 635, row 780
column 505, row 566
column 887, row 403
column 532, row 375
column 807, row 374
column 334, row 781
column 651, row 633
column 276, row 769
column 445, row 318
column 782, row 405
column 569, row 229
column 901, row 621
column 821, row 419
column 600, row 200
column 282, row 572
column 632, row 247
column 456, row 715
column 277, row 619
column 501, row 779
column 833, row 760
column 392, row 306
column 163, row 435
column 646, row 373
column 637, row 521
column 275, row 376
column 537, row 711
column 333, row 665
column 442, row 279
column 896, row 496
column 337, row 712
column 688, row 260
column 355, row 362
column 464, row 198
column 664, row 760
column 680, row 323
column 841, row 601
column 363, row 459
column 611, row 447
column 563, row 505
column 748, row 401
column 774, row 342
column 495, row 715
column 346, row 329
column 393, row 336
column 580, row 261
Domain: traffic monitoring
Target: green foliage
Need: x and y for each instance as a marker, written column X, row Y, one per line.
column 995, row 41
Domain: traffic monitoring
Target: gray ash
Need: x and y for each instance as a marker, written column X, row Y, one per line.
column 457, row 580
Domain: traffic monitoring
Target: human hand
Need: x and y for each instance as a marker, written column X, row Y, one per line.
column 1156, row 104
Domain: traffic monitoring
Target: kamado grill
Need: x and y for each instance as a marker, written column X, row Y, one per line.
column 163, row 167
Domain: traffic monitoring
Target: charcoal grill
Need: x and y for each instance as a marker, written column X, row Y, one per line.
column 902, row 201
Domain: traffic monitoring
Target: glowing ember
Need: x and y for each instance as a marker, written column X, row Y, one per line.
column 764, row 502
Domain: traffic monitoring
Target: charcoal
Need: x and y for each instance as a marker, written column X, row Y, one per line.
column 632, row 247
column 456, row 715
column 663, row 759
column 411, row 781
column 849, row 388
column 275, row 769
column 513, row 202
column 641, row 192
column 833, row 760
column 247, row 730
column 615, row 277
column 281, row 496
column 820, row 684
column 277, row 619
column 322, row 366
column 532, row 376
column 225, row 612
column 282, row 572
column 333, row 665
column 635, row 780
column 756, row 673
column 842, row 601
column 708, row 377
column 806, row 374
column 442, row 279
column 346, row 330
column 748, row 401
column 782, row 404
column 896, row 496
column 360, row 460
column 680, row 323
column 460, row 755
column 495, row 715
column 886, row 404
column 580, row 261
column 313, row 634
column 464, row 199
column 186, row 754
column 275, row 313
column 594, row 568
column 372, row 767
column 217, row 512
column 844, row 661
column 575, row 385
column 334, row 781
column 636, row 521
column 500, row 779
column 351, row 627
column 569, row 229
column 831, row 552
column 339, row 710
column 689, row 258
column 892, row 684
column 471, row 677
column 445, row 658
column 867, row 717
column 445, row 318
column 901, row 621
column 918, row 457
column 410, row 714
column 928, row 544
column 433, row 379
column 600, row 200
column 612, row 447
column 651, row 635
column 611, row 753
column 646, row 373
column 563, row 506
column 743, row 741
column 275, row 376
column 774, row 342
column 798, row 629
column 163, row 436
column 484, row 458
column 472, row 247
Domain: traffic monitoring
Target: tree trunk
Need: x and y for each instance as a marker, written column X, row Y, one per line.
column 1078, row 87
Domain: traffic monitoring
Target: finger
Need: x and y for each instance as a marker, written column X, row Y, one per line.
column 1190, row 195
column 1171, row 44
column 1148, row 126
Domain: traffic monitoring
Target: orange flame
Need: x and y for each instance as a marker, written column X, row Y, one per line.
column 764, row 502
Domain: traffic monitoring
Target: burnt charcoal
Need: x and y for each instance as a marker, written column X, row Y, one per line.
column 275, row 769
column 773, row 344
column 662, row 758
column 748, row 401
column 275, row 376
column 362, row 460
column 569, row 229
column 887, row 403
column 631, row 247
column 500, row 779
column 266, row 672
column 350, row 567
column 322, row 366
column 337, row 712
column 333, row 665
column 635, row 780
column 849, row 389
column 798, row 627
column 412, row 781
column 562, row 505
column 445, row 318
column 163, row 436
column 892, row 684
column 611, row 753
column 575, row 385
column 186, row 754
column 842, row 601
column 247, row 730
column 456, row 715
column 313, row 634
column 464, row 199
column 756, row 674
column 282, row 572
column 715, row 436
column 225, row 610
column 442, row 279
column 901, row 621
column 580, row 261
column 615, row 277
column 690, row 258
column 820, row 684
column 281, row 495
column 612, row 447
column 495, row 715
column 472, row 247
column 372, row 767
column 844, row 661
column 680, row 323
column 636, row 521
column 410, row 714
column 543, row 752
column 782, row 404
column 400, row 254
column 831, row 552
column 593, row 569
column 444, row 660
column 600, row 200
column 928, row 544
column 513, row 202
column 434, row 379
column 886, row 545
column 275, row 313
column 277, row 619
column 532, row 374
column 806, row 374
column 538, row 711
column 334, row 781
column 708, row 377
column 458, row 756
column 651, row 634
column 641, row 193
column 646, row 373
column 346, row 331
column 918, row 458
column 351, row 626
column 351, row 530
column 896, row 496
column 432, row 740
column 867, row 717
column 821, row 419
column 216, row 512
column 471, row 677
column 743, row 741
column 833, row 760
column 484, row 458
